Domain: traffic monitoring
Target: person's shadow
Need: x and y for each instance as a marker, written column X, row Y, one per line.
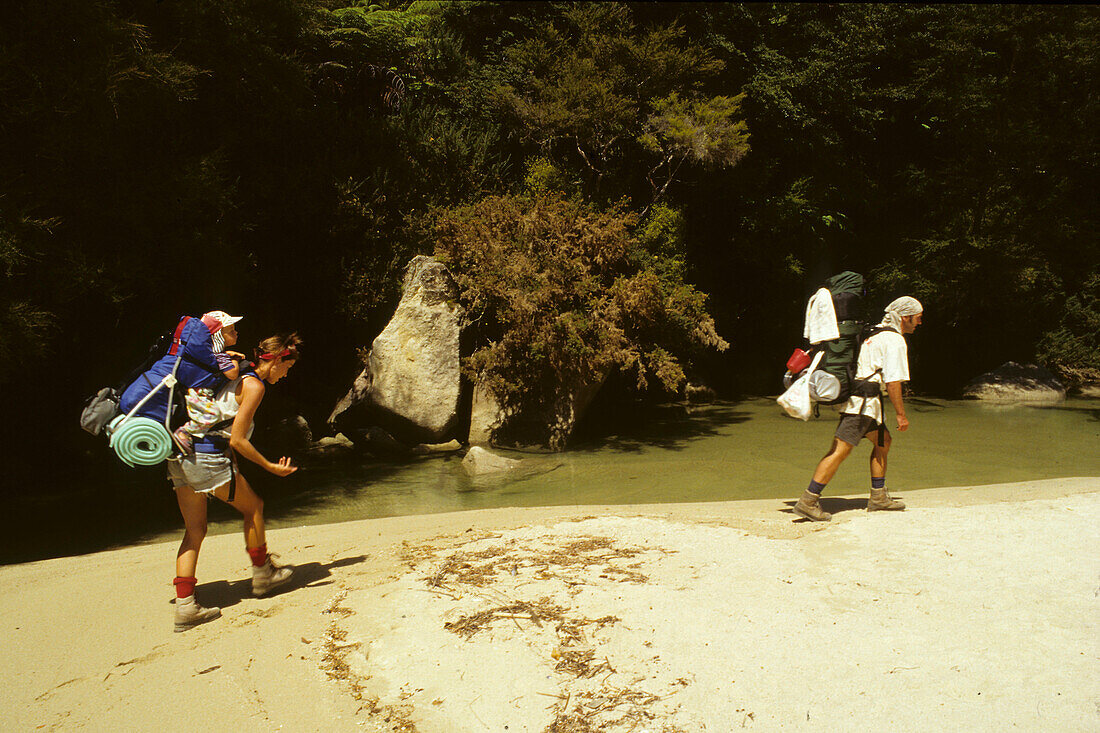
column 831, row 504
column 226, row 593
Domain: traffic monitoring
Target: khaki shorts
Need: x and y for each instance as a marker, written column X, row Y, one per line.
column 203, row 472
column 854, row 428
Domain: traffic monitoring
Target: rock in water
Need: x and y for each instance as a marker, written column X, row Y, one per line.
column 1013, row 383
column 332, row 445
column 451, row 446
column 412, row 379
column 479, row 462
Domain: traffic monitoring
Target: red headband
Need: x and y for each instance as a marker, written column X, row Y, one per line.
column 280, row 355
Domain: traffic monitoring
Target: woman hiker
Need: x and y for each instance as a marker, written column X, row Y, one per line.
column 212, row 471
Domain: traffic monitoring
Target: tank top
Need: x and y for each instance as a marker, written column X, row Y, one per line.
column 216, row 439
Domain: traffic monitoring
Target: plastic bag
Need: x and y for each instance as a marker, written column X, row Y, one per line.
column 796, row 400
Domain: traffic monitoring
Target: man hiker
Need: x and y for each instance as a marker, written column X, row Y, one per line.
column 883, row 364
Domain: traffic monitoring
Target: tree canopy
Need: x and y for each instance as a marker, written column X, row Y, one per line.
column 285, row 159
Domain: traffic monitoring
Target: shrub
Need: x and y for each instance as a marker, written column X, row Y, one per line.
column 559, row 293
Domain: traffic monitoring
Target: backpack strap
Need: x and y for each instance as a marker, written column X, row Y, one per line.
column 177, row 337
column 878, row 395
column 192, row 360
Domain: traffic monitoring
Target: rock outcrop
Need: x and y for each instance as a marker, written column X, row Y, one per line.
column 338, row 444
column 378, row 442
column 545, row 426
column 288, row 436
column 411, row 383
column 1013, row 383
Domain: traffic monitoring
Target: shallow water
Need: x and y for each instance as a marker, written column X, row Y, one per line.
column 674, row 453
column 719, row 452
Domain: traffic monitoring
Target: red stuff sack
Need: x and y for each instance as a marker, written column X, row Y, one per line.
column 799, row 360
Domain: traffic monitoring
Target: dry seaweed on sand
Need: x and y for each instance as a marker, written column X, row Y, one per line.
column 460, row 567
column 584, row 552
column 610, row 709
column 481, row 567
column 542, row 610
column 570, row 723
column 581, row 662
column 412, row 554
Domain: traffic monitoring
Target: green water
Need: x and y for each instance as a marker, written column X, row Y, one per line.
column 674, row 453
column 719, row 452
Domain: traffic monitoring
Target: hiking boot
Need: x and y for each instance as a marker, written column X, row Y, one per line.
column 881, row 501
column 189, row 613
column 269, row 576
column 807, row 506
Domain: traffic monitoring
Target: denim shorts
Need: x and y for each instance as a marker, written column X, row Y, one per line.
column 203, row 472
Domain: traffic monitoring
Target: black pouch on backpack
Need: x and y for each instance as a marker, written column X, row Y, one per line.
column 100, row 409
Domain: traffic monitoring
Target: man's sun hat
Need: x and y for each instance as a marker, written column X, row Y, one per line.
column 904, row 306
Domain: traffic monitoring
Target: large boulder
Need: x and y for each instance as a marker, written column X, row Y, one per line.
column 1013, row 383
column 544, row 426
column 412, row 383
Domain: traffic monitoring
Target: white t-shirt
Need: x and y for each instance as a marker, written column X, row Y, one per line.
column 887, row 354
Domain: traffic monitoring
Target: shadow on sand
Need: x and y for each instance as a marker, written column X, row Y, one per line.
column 228, row 593
column 831, row 504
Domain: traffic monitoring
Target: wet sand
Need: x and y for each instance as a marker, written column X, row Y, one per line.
column 976, row 609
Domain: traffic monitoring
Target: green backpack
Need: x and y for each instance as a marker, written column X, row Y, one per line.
column 841, row 354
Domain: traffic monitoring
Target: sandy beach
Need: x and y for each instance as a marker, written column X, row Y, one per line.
column 978, row 608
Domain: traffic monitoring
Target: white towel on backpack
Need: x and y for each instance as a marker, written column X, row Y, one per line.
column 821, row 318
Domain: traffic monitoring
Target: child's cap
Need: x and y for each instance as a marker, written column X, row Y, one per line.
column 222, row 318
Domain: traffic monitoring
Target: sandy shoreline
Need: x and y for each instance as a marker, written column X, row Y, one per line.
column 976, row 609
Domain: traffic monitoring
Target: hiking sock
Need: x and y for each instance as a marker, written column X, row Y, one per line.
column 258, row 555
column 878, row 483
column 815, row 487
column 184, row 587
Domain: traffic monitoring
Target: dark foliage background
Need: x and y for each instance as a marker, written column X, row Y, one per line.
column 277, row 158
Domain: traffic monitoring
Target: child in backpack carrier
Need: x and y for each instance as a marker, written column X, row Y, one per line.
column 202, row 408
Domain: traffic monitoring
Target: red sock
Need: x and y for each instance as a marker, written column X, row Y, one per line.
column 184, row 587
column 258, row 555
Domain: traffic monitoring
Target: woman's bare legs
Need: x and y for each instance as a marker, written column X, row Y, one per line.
column 251, row 507
column 266, row 575
column 193, row 508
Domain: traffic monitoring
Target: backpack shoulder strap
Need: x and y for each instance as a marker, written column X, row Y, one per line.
column 879, row 329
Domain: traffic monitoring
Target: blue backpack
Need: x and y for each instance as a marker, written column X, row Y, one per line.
column 190, row 359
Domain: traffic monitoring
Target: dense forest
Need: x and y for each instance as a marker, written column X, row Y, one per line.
column 283, row 159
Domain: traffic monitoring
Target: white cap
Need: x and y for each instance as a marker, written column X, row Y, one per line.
column 222, row 317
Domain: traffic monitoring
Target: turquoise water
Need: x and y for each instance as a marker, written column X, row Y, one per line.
column 674, row 453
